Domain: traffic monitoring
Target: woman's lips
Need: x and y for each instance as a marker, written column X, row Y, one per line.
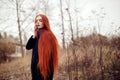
column 37, row 25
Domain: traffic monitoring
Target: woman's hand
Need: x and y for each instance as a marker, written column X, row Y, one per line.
column 35, row 31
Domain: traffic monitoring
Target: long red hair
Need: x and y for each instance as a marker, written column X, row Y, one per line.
column 47, row 49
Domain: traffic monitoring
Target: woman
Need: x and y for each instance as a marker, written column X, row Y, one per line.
column 44, row 47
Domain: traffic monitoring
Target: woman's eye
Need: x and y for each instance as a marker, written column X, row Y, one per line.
column 40, row 20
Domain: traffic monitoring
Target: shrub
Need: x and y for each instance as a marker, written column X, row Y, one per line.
column 6, row 48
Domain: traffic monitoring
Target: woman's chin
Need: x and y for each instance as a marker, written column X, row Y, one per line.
column 40, row 27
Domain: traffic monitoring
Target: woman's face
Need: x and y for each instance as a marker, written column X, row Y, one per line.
column 38, row 22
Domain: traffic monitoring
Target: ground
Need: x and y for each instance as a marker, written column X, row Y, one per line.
column 17, row 69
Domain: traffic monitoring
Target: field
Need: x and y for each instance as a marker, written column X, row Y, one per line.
column 93, row 57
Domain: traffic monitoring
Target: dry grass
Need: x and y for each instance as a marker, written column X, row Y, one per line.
column 18, row 69
column 81, row 60
column 84, row 60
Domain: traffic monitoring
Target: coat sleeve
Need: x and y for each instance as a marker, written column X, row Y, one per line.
column 30, row 43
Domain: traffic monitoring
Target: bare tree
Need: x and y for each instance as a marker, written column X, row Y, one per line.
column 71, row 29
column 16, row 5
column 73, row 41
column 76, row 13
column 19, row 26
column 63, row 32
column 100, row 16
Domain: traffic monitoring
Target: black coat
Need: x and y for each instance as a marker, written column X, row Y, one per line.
column 36, row 75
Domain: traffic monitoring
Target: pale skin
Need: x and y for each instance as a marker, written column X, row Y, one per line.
column 38, row 24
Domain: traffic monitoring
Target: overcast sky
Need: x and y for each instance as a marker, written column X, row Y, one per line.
column 90, row 13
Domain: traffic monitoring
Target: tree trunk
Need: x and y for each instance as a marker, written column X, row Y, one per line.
column 19, row 27
column 71, row 29
column 63, row 33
